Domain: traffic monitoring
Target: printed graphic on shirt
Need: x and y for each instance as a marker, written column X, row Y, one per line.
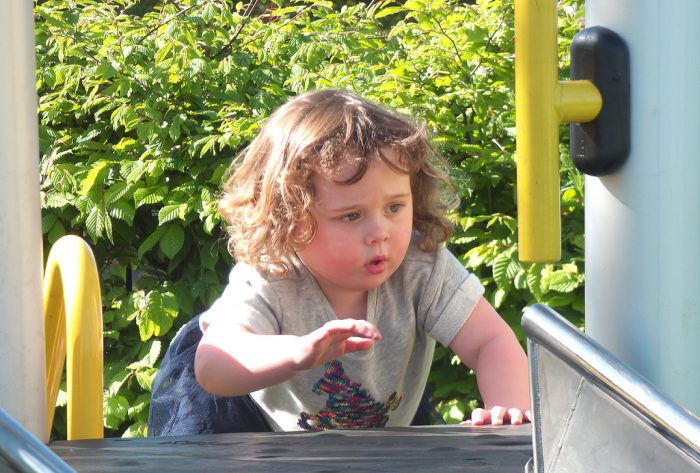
column 348, row 405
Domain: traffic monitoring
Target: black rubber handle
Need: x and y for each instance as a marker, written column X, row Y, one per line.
column 602, row 145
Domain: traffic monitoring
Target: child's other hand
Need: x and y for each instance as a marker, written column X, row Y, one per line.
column 333, row 340
column 499, row 415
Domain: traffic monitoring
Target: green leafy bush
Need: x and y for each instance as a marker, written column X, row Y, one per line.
column 142, row 113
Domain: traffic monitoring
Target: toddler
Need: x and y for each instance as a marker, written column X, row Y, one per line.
column 342, row 286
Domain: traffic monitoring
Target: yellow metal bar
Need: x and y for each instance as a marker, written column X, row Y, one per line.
column 541, row 104
column 537, row 128
column 578, row 101
column 73, row 323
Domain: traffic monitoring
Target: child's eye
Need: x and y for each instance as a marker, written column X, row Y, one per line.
column 351, row 217
column 395, row 207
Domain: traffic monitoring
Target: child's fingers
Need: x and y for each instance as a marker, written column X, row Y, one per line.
column 498, row 414
column 481, row 416
column 515, row 415
column 352, row 328
column 334, row 339
column 358, row 344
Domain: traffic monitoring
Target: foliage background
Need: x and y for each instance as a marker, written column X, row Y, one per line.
column 144, row 104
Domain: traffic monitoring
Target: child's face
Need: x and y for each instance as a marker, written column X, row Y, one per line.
column 362, row 230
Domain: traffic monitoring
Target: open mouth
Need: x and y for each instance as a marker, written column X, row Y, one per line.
column 376, row 265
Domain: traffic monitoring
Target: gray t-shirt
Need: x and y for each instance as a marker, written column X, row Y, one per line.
column 428, row 298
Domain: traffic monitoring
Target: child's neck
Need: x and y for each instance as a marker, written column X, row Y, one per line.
column 350, row 306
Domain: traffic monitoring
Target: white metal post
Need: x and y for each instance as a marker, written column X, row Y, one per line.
column 643, row 222
column 22, row 385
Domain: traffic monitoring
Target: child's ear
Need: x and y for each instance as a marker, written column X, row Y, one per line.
column 303, row 231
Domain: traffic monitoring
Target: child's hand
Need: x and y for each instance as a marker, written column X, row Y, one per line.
column 499, row 415
column 333, row 340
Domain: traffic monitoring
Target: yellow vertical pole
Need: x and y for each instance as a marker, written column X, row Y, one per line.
column 542, row 102
column 537, row 125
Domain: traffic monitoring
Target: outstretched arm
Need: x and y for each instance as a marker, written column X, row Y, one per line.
column 486, row 344
column 231, row 360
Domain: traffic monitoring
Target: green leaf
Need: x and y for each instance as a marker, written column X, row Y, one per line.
column 126, row 144
column 116, row 191
column 94, row 223
column 47, row 222
column 209, row 255
column 174, row 131
column 136, row 430
column 139, row 408
column 96, row 175
column 149, row 195
column 534, row 280
column 145, row 378
column 170, row 307
column 145, row 131
column 106, row 70
column 156, row 318
column 498, row 298
column 559, row 300
column 115, row 411
column 150, row 358
column 56, row 232
column 172, row 212
column 453, row 412
column 210, row 223
column 563, row 281
column 107, row 224
column 115, row 375
column 122, row 210
column 150, row 241
column 155, row 169
column 146, row 327
column 172, row 240
column 500, row 270
column 152, row 113
column 62, row 398
column 514, row 266
column 206, row 144
column 477, row 256
column 388, row 11
column 55, row 201
column 520, row 280
column 132, row 170
column 163, row 52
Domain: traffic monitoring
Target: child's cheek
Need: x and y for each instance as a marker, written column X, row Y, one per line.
column 342, row 249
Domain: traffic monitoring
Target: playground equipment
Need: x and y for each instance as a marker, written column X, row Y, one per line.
column 641, row 258
column 642, row 297
column 22, row 392
column 642, row 222
column 23, row 452
column 594, row 413
column 73, row 323
column 30, row 382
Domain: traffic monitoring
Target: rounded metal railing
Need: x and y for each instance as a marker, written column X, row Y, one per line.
column 73, row 326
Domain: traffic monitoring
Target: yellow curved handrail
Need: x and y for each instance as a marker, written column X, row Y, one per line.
column 542, row 102
column 73, row 325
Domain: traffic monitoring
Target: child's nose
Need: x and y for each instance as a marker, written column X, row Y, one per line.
column 377, row 231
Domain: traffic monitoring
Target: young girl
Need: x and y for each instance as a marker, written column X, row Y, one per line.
column 341, row 288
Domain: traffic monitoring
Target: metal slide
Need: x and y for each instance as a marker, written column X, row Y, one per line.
column 594, row 413
column 20, row 451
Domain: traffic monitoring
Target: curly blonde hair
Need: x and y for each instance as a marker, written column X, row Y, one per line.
column 269, row 190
